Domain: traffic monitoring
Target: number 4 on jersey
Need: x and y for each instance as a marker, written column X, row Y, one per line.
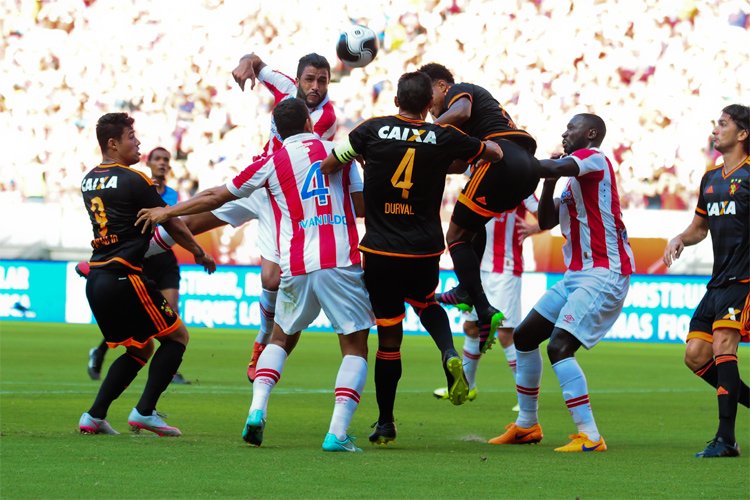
column 315, row 185
column 404, row 168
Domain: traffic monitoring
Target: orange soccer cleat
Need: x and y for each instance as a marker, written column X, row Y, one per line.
column 519, row 435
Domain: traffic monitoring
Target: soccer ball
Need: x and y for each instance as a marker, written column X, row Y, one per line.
column 357, row 46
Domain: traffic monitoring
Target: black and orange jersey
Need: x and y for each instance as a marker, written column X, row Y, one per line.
column 488, row 119
column 724, row 199
column 113, row 194
column 406, row 162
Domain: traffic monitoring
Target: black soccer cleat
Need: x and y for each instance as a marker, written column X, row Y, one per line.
column 457, row 297
column 718, row 448
column 383, row 433
column 94, row 366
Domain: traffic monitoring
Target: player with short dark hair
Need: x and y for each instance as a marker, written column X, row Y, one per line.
column 405, row 163
column 311, row 86
column 722, row 317
column 162, row 268
column 319, row 261
column 129, row 309
column 580, row 309
column 494, row 187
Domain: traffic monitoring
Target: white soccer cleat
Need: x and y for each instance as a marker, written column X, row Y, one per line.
column 90, row 425
column 153, row 423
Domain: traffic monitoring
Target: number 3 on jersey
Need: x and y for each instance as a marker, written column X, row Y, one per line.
column 404, row 169
column 315, row 185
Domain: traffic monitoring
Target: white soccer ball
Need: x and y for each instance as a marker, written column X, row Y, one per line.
column 357, row 46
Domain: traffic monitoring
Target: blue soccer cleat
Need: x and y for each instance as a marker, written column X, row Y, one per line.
column 331, row 443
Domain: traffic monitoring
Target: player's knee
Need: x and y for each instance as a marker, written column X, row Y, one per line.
column 270, row 276
column 561, row 346
column 142, row 353
column 180, row 335
column 698, row 352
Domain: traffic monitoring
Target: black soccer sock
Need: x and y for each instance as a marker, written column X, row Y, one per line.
column 387, row 375
column 727, row 392
column 101, row 351
column 479, row 242
column 435, row 321
column 708, row 373
column 121, row 373
column 164, row 365
column 466, row 266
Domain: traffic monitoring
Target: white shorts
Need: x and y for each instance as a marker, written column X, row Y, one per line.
column 339, row 291
column 504, row 293
column 585, row 303
column 255, row 206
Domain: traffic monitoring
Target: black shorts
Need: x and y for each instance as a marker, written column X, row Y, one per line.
column 725, row 307
column 391, row 281
column 163, row 269
column 129, row 309
column 497, row 187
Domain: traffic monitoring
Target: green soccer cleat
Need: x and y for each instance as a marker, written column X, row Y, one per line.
column 488, row 325
column 442, row 393
column 254, row 425
column 458, row 386
column 331, row 443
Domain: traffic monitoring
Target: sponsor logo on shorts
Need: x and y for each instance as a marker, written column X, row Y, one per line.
column 568, row 318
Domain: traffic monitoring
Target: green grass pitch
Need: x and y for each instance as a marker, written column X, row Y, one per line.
column 652, row 411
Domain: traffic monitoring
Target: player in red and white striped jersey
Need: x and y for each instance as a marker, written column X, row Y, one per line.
column 580, row 309
column 501, row 268
column 313, row 75
column 319, row 258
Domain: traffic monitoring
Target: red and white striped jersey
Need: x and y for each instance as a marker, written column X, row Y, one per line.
column 591, row 219
column 283, row 87
column 314, row 212
column 503, row 252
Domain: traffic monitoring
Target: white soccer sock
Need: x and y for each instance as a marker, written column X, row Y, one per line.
column 350, row 382
column 576, row 394
column 510, row 357
column 471, row 359
column 528, row 379
column 160, row 242
column 267, row 304
column 267, row 374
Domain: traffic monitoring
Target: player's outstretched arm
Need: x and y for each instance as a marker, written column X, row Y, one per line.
column 559, row 167
column 248, row 69
column 341, row 154
column 695, row 233
column 457, row 114
column 183, row 237
column 549, row 208
column 204, row 201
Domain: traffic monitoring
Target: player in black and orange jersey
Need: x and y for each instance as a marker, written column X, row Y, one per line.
column 129, row 309
column 722, row 317
column 405, row 163
column 493, row 188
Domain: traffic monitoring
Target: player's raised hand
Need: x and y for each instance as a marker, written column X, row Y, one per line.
column 150, row 218
column 244, row 71
column 673, row 251
column 207, row 261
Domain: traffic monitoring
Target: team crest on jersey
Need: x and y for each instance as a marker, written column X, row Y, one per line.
column 734, row 185
column 567, row 197
column 167, row 310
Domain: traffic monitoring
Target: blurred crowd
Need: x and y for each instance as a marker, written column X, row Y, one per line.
column 658, row 71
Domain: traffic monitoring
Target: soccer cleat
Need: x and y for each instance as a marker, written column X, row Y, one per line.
column 331, row 443
column 718, row 448
column 458, row 386
column 457, row 297
column 488, row 325
column 178, row 379
column 152, row 423
column 90, row 425
column 96, row 359
column 442, row 393
column 257, row 349
column 519, row 435
column 383, row 433
column 83, row 269
column 581, row 443
column 254, row 425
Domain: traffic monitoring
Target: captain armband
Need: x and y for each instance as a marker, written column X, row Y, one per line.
column 344, row 152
